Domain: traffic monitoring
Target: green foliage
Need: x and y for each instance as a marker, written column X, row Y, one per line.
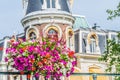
column 112, row 56
column 114, row 13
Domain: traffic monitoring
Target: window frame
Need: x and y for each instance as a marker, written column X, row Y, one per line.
column 52, row 3
column 93, row 45
column 34, row 37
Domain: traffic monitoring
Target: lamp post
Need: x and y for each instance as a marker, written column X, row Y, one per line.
column 94, row 76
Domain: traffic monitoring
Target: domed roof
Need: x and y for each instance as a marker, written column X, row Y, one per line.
column 40, row 5
column 64, row 5
column 34, row 5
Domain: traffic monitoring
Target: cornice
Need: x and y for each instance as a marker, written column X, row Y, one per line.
column 40, row 18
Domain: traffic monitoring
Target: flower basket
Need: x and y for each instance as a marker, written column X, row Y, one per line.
column 47, row 57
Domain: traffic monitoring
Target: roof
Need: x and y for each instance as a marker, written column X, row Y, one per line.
column 22, row 35
column 96, row 30
column 36, row 5
column 80, row 22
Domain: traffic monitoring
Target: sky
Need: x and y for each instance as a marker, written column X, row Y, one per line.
column 11, row 13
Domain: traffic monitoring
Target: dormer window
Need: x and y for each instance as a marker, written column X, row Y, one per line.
column 93, row 45
column 51, row 3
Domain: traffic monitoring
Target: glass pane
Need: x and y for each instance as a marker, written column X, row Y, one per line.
column 93, row 45
column 52, row 31
column 32, row 36
column 53, row 34
column 77, row 42
column 48, row 3
column 53, row 3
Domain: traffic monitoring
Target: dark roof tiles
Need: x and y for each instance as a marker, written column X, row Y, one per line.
column 36, row 5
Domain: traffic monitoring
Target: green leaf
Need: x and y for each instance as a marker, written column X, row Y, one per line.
column 25, row 54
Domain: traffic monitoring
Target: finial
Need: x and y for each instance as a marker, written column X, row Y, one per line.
column 95, row 26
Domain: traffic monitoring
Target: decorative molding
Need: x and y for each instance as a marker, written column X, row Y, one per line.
column 89, row 56
column 69, row 32
column 40, row 18
column 44, row 6
column 25, row 4
column 53, row 26
column 94, row 66
column 32, row 29
column 71, row 2
column 92, row 34
column 57, row 4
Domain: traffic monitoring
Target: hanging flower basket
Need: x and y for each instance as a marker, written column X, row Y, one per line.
column 47, row 57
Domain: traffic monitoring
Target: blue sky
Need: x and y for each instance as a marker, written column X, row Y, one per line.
column 11, row 13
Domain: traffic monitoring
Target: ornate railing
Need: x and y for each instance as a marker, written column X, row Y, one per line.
column 94, row 75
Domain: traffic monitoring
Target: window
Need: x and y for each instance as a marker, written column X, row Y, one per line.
column 32, row 36
column 53, row 34
column 70, row 34
column 51, row 3
column 69, row 41
column 93, row 45
column 76, row 42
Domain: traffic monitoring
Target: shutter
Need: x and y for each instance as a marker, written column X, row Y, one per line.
column 77, row 42
column 102, row 42
column 84, row 42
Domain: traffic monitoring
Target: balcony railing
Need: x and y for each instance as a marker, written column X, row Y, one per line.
column 24, row 76
column 95, row 75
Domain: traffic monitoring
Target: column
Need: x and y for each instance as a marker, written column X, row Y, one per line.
column 44, row 6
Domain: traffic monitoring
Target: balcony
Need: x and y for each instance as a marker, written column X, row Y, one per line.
column 25, row 76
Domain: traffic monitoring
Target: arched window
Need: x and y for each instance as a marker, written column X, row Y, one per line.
column 93, row 45
column 70, row 38
column 53, row 34
column 32, row 36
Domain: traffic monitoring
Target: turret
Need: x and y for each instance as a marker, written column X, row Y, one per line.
column 46, row 5
column 48, row 17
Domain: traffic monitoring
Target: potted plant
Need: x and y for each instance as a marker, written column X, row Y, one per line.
column 47, row 57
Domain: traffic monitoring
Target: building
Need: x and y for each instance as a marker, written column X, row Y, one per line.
column 54, row 17
column 90, row 44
